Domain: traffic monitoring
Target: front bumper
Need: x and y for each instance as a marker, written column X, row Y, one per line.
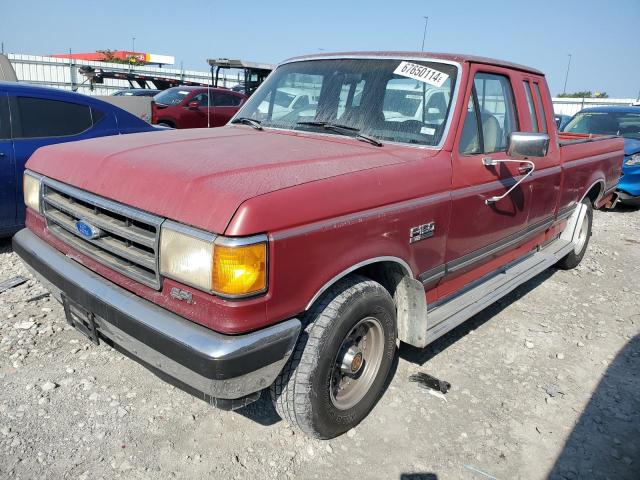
column 228, row 371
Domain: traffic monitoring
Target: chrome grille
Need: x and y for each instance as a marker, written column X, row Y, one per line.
column 129, row 240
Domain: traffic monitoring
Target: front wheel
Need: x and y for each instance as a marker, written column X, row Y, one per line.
column 580, row 235
column 341, row 363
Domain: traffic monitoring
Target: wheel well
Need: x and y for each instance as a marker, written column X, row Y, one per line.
column 381, row 269
column 167, row 122
column 386, row 273
column 408, row 295
column 595, row 192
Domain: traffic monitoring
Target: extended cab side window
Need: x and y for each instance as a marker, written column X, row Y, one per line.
column 532, row 110
column 40, row 117
column 491, row 115
column 543, row 117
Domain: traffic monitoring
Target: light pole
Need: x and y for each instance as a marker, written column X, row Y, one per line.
column 566, row 77
column 424, row 34
column 133, row 44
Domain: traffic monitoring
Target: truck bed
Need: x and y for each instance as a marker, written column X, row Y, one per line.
column 587, row 160
column 568, row 138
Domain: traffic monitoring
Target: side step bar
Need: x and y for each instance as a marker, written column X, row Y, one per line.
column 446, row 316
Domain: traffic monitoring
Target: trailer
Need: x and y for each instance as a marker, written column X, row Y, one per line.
column 254, row 73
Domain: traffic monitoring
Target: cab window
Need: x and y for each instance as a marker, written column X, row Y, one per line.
column 491, row 115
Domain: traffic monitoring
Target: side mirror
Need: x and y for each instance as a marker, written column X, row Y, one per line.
column 528, row 144
column 193, row 105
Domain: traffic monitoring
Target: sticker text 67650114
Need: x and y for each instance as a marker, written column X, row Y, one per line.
column 421, row 73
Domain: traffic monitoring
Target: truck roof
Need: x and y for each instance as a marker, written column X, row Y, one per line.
column 452, row 57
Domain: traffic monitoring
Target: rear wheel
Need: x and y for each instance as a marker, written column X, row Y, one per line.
column 580, row 240
column 341, row 363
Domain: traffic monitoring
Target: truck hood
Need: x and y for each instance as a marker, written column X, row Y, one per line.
column 200, row 177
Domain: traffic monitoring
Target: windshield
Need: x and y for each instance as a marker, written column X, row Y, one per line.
column 390, row 100
column 626, row 124
column 171, row 96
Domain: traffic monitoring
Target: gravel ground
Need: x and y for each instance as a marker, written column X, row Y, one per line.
column 544, row 383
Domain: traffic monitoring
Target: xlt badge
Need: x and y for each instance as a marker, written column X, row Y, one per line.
column 421, row 232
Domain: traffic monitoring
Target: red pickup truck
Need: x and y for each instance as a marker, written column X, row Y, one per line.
column 291, row 251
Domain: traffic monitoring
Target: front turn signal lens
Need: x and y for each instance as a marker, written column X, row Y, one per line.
column 239, row 270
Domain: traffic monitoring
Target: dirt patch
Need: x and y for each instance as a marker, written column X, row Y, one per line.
column 545, row 382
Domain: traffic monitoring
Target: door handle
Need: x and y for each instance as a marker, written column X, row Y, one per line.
column 529, row 169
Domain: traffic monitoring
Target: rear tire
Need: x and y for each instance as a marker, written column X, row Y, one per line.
column 339, row 368
column 574, row 258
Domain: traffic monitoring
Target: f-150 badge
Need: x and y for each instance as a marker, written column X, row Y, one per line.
column 421, row 232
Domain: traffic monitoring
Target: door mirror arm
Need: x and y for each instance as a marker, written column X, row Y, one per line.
column 490, row 162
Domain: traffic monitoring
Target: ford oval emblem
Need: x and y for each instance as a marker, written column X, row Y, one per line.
column 87, row 230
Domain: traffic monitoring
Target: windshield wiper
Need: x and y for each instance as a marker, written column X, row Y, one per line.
column 336, row 127
column 248, row 121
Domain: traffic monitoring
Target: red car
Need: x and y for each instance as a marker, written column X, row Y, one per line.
column 195, row 107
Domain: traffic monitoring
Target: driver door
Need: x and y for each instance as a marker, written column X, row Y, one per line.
column 480, row 230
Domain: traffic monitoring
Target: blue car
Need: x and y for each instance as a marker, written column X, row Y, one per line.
column 31, row 117
column 616, row 120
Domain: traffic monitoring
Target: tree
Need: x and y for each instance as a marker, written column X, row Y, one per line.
column 584, row 94
column 109, row 56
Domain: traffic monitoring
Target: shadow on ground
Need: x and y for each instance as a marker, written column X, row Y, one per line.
column 605, row 442
column 263, row 412
column 5, row 245
column 422, row 355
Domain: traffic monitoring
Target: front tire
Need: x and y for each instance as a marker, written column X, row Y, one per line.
column 339, row 368
column 581, row 243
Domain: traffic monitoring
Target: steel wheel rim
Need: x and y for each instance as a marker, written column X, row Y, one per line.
column 348, row 387
column 582, row 235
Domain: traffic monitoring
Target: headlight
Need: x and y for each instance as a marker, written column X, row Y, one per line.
column 633, row 160
column 230, row 267
column 31, row 190
column 186, row 255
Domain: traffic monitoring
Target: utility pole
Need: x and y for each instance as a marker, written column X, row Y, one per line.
column 566, row 77
column 424, row 34
column 133, row 44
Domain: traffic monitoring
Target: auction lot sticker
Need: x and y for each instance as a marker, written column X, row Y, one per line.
column 421, row 73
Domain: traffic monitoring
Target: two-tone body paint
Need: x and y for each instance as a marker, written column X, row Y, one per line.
column 329, row 204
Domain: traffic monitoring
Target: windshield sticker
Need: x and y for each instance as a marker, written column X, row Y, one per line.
column 427, row 131
column 421, row 73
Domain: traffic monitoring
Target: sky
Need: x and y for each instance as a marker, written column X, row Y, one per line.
column 602, row 36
